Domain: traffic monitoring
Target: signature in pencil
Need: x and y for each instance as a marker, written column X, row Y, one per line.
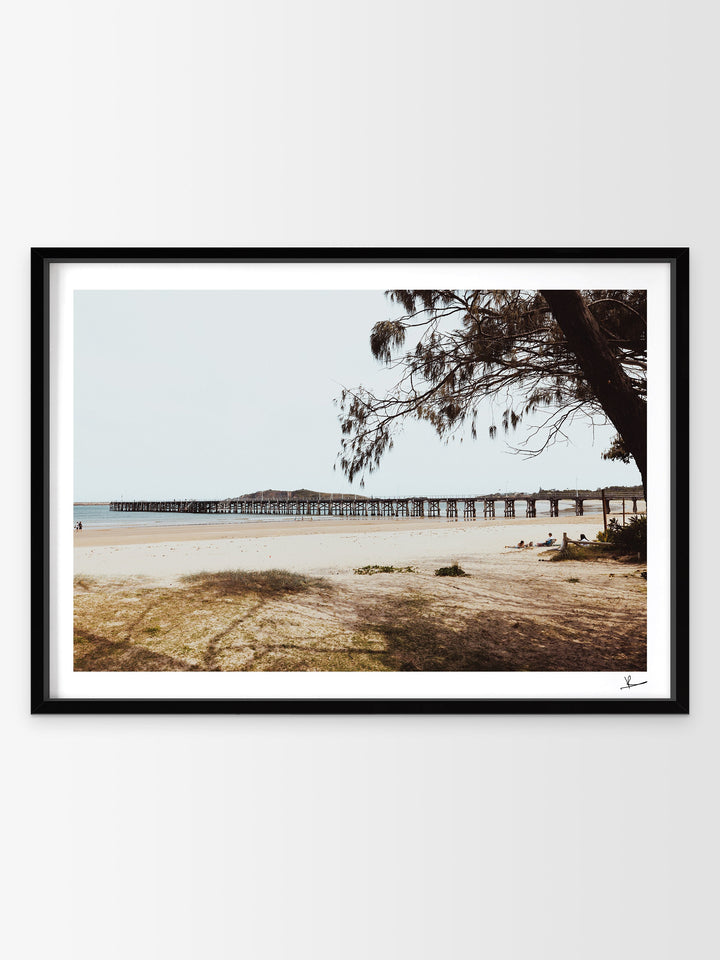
column 628, row 683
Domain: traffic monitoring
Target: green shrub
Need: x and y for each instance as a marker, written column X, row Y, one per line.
column 454, row 571
column 631, row 538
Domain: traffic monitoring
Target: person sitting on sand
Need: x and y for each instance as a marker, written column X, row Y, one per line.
column 549, row 542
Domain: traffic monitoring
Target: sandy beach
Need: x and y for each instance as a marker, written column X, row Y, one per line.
column 320, row 546
column 207, row 598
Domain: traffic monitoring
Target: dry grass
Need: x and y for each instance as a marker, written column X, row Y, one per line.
column 261, row 583
column 537, row 619
column 594, row 552
column 233, row 620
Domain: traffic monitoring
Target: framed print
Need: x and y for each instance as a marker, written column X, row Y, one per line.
column 360, row 480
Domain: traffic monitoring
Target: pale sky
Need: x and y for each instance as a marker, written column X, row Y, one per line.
column 213, row 394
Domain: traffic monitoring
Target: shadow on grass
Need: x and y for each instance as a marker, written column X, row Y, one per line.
column 268, row 584
column 248, row 592
column 331, row 630
column 419, row 638
column 100, row 654
column 259, row 586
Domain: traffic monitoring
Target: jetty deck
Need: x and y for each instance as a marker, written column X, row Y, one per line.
column 466, row 507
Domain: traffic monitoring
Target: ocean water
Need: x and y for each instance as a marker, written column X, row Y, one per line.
column 100, row 515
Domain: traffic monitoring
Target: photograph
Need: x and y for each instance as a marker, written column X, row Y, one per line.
column 358, row 491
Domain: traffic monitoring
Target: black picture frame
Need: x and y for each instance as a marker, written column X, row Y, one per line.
column 42, row 580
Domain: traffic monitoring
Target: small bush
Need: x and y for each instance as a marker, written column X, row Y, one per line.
column 631, row 538
column 372, row 568
column 454, row 571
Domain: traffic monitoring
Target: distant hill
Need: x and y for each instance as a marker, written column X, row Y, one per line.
column 296, row 495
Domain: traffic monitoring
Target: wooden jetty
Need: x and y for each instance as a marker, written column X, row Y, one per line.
column 486, row 506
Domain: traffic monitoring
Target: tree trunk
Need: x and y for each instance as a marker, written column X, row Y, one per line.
column 609, row 382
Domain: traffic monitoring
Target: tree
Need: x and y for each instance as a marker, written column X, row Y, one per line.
column 568, row 353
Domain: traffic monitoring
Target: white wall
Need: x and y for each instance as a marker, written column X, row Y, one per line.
column 168, row 122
